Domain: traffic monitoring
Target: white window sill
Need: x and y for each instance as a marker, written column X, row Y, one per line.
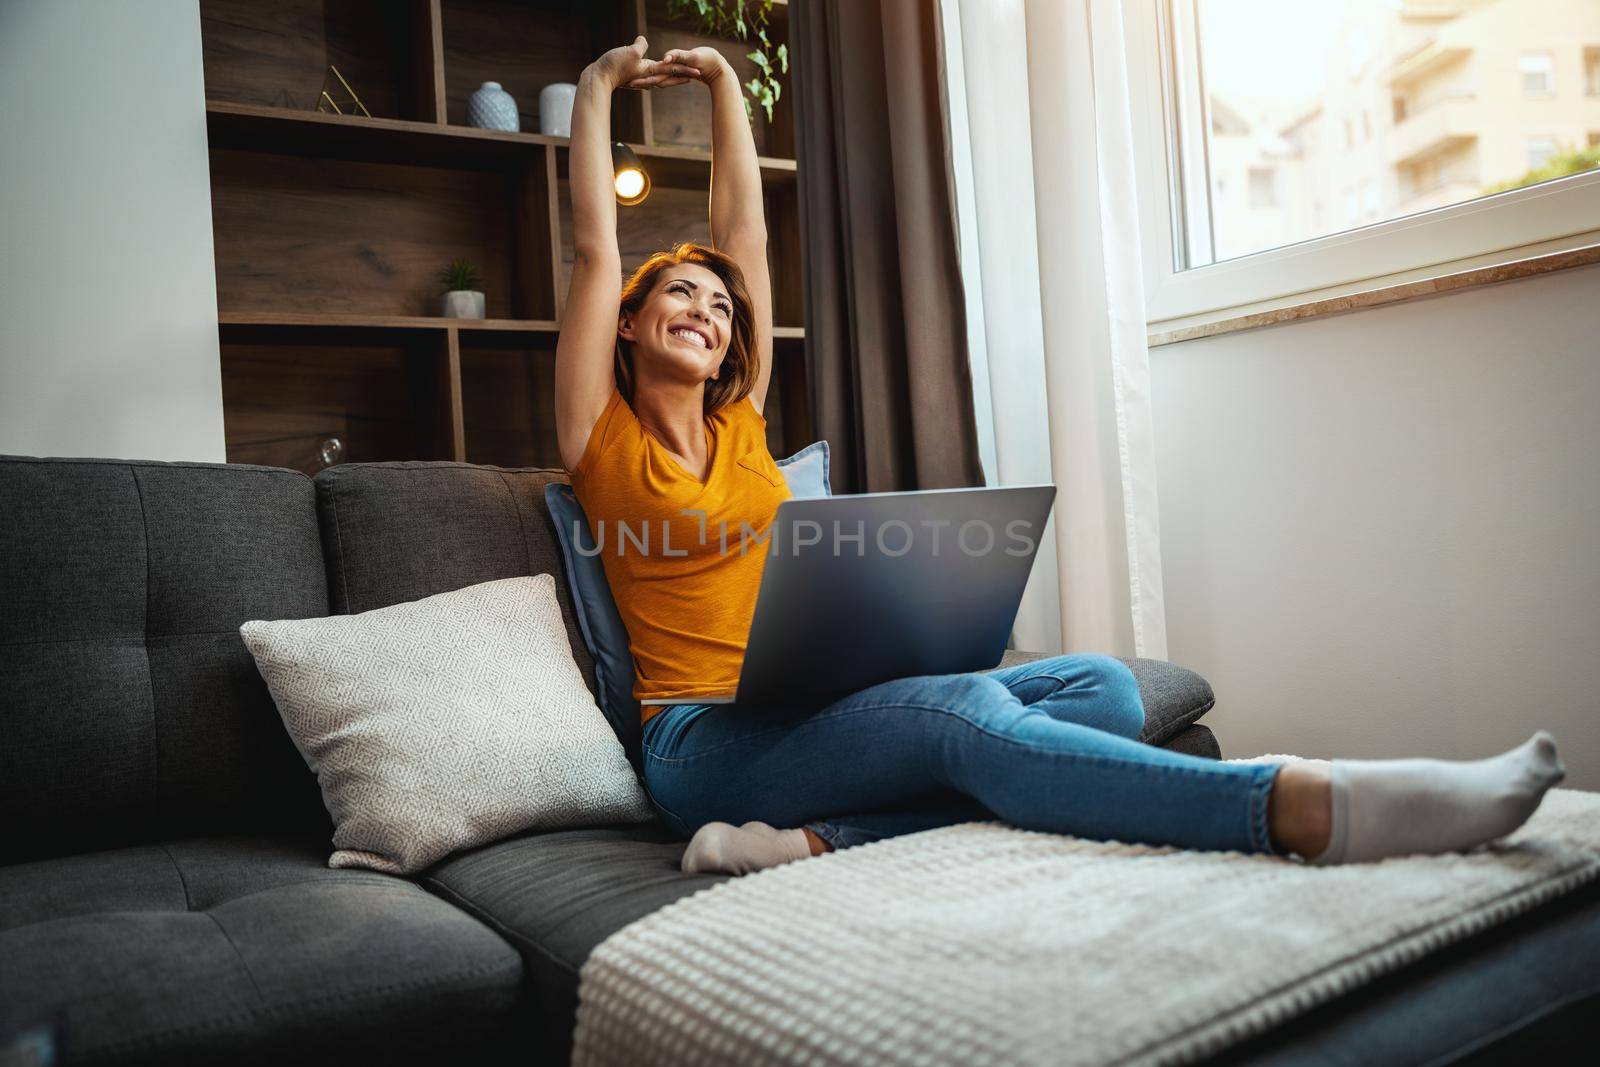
column 1374, row 292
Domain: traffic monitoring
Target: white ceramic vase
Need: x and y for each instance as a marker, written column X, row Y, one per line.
column 462, row 304
column 492, row 108
column 555, row 109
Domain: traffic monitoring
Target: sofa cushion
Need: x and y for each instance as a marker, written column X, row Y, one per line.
column 245, row 950
column 1196, row 740
column 446, row 723
column 403, row 530
column 556, row 895
column 129, row 707
column 1174, row 697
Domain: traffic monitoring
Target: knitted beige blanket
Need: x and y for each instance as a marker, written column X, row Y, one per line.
column 983, row 943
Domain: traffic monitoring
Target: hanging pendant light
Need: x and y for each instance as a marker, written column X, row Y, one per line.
column 631, row 182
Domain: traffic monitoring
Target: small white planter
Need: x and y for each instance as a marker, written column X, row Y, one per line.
column 462, row 304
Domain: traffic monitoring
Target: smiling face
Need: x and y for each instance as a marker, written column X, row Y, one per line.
column 682, row 330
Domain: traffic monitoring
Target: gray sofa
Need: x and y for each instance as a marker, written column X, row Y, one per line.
column 164, row 894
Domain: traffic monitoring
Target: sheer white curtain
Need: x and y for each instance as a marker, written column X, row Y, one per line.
column 1043, row 159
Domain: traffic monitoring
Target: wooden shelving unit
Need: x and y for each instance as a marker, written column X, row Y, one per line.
column 329, row 229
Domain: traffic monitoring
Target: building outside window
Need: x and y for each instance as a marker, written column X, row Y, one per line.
column 1431, row 104
column 1591, row 70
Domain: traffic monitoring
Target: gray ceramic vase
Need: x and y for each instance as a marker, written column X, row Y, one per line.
column 491, row 108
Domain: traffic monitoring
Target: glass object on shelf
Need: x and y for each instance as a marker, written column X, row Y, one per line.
column 331, row 450
column 1312, row 119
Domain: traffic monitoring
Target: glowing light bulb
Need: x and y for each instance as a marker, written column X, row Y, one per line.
column 630, row 183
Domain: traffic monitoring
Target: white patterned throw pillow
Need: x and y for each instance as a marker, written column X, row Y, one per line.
column 445, row 723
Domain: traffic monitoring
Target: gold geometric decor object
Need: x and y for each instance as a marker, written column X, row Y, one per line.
column 347, row 96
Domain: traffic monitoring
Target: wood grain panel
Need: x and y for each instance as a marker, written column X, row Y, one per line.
column 534, row 265
column 278, row 53
column 440, row 373
column 667, row 217
column 792, row 398
column 509, row 397
column 283, row 395
column 425, row 71
column 785, row 254
column 297, row 234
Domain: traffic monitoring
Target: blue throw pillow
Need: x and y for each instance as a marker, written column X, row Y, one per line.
column 807, row 470
column 598, row 619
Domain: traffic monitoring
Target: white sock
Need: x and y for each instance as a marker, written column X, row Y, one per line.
column 720, row 846
column 1397, row 807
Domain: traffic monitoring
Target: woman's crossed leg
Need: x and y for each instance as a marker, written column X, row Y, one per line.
column 928, row 751
column 1047, row 745
column 1090, row 690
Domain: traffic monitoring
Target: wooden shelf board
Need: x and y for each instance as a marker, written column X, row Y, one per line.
column 383, row 322
column 252, row 127
column 421, row 322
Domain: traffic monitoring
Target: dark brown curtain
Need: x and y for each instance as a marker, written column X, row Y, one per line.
column 885, row 318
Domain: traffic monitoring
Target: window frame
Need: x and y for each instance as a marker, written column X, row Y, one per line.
column 1482, row 232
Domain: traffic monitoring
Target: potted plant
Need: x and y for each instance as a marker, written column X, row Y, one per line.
column 736, row 18
column 459, row 297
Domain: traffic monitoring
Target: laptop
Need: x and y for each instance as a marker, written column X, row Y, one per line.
column 862, row 588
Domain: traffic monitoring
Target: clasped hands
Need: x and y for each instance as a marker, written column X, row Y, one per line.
column 627, row 68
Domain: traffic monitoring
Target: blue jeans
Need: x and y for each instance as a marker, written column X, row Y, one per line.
column 1047, row 745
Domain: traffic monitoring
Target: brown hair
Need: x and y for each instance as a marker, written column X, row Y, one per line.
column 737, row 375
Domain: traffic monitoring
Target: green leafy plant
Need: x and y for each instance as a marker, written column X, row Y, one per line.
column 1570, row 161
column 741, row 18
column 458, row 275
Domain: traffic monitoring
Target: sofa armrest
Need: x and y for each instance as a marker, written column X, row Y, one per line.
column 1174, row 697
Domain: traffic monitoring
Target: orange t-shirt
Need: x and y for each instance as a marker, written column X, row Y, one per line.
column 683, row 557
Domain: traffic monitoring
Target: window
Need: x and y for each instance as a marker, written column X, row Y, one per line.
column 1591, row 70
column 1540, row 151
column 1538, row 73
column 1266, row 100
column 1264, row 70
column 1263, row 187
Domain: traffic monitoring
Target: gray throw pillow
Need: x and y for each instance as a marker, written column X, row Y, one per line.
column 445, row 723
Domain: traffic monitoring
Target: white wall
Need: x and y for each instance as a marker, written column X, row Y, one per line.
column 1381, row 530
column 108, row 294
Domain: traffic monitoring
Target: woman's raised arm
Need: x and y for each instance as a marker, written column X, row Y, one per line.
column 587, row 342
column 738, row 218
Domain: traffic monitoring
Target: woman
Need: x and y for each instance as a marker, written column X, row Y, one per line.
column 659, row 390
